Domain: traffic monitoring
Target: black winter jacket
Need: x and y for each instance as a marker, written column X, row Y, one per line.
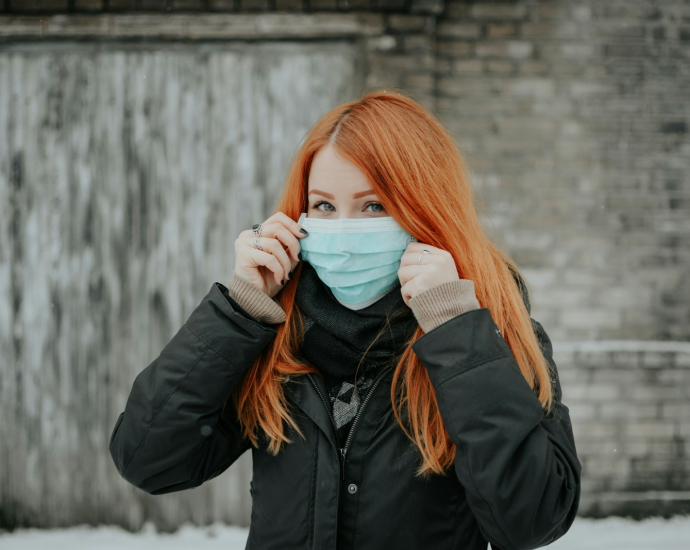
column 516, row 476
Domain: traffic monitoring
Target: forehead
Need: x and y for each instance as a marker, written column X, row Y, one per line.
column 331, row 171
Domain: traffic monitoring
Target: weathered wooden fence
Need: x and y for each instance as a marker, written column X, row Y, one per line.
column 127, row 173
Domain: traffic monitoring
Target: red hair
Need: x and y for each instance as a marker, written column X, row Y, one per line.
column 422, row 180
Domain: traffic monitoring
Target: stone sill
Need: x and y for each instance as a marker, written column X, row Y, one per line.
column 193, row 26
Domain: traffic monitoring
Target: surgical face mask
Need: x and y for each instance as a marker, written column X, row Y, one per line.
column 358, row 259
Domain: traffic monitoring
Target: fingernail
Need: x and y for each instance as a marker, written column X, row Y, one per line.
column 290, row 275
column 304, row 231
column 299, row 256
column 282, row 282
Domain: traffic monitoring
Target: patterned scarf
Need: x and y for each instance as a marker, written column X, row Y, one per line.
column 336, row 338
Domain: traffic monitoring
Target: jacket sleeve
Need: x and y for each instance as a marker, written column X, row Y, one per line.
column 177, row 431
column 519, row 468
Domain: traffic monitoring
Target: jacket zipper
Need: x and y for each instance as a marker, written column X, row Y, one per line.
column 328, row 409
column 343, row 450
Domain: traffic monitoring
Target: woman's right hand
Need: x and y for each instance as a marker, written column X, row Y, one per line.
column 266, row 268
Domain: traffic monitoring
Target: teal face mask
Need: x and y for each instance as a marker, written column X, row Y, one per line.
column 358, row 259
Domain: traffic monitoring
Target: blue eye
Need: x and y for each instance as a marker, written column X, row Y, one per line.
column 319, row 203
column 316, row 206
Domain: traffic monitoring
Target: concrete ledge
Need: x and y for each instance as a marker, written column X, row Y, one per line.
column 638, row 505
column 192, row 26
column 624, row 345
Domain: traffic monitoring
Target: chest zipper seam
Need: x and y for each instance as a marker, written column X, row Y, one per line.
column 343, row 450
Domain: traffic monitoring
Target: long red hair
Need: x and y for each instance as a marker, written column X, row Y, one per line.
column 422, row 180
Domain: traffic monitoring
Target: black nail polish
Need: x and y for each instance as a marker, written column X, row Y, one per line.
column 304, row 231
column 299, row 256
column 290, row 275
column 282, row 282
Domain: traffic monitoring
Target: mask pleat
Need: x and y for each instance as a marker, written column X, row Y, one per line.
column 357, row 258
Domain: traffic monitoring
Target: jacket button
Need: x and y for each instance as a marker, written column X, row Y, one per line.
column 352, row 488
column 206, row 430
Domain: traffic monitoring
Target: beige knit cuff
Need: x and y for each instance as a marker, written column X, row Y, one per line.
column 440, row 303
column 254, row 301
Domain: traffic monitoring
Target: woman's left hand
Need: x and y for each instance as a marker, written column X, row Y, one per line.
column 436, row 268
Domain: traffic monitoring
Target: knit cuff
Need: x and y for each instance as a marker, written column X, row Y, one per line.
column 254, row 301
column 440, row 303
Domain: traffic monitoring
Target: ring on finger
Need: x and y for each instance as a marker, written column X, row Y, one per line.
column 256, row 243
column 257, row 227
column 425, row 251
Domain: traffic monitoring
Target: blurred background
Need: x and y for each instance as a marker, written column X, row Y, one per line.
column 139, row 137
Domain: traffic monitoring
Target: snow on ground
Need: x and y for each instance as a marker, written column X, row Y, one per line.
column 613, row 533
column 616, row 533
column 188, row 537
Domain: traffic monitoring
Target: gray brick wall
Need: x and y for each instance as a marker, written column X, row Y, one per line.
column 574, row 116
column 631, row 420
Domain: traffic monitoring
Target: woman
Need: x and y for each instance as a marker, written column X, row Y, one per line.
column 375, row 350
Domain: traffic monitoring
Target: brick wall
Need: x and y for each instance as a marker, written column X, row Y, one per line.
column 574, row 116
column 630, row 406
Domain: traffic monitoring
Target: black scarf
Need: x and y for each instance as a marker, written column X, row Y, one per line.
column 337, row 337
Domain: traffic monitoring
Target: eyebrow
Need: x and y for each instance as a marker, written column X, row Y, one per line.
column 355, row 196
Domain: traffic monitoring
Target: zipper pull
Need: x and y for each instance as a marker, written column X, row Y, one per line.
column 343, row 450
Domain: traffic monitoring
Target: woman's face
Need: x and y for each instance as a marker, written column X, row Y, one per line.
column 338, row 189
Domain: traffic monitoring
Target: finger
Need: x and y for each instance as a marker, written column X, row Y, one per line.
column 409, row 272
column 274, row 246
column 413, row 250
column 406, row 291
column 251, row 257
column 286, row 237
column 267, row 260
column 288, row 222
column 413, row 258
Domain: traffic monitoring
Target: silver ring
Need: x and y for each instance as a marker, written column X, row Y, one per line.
column 425, row 251
column 256, row 243
column 258, row 229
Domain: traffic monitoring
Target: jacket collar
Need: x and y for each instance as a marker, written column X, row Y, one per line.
column 301, row 392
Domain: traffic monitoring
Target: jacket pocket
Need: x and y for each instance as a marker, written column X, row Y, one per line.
column 283, row 493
